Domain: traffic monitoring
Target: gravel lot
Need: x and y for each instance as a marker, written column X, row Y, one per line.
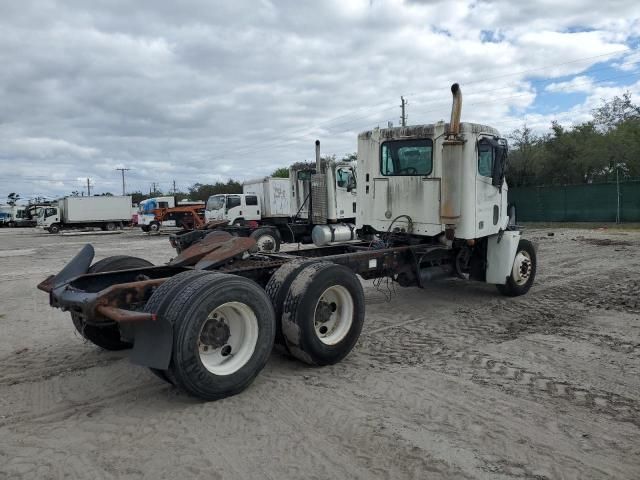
column 453, row 381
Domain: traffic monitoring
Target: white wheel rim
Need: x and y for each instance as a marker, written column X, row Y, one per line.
column 228, row 355
column 522, row 267
column 266, row 243
column 154, row 227
column 333, row 315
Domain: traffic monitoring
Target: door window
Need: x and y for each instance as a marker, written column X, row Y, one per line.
column 485, row 158
column 233, row 201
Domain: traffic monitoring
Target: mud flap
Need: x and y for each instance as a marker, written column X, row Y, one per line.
column 152, row 344
column 79, row 265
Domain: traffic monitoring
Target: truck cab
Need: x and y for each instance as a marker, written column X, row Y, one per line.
column 47, row 216
column 329, row 194
column 5, row 219
column 418, row 181
column 235, row 208
column 147, row 209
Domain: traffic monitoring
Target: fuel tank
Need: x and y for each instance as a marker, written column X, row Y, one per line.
column 339, row 232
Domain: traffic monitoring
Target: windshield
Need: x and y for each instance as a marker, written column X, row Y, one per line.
column 215, row 202
column 149, row 206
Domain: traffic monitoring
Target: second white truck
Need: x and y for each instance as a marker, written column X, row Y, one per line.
column 317, row 203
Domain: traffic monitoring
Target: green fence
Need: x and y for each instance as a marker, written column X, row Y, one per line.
column 578, row 203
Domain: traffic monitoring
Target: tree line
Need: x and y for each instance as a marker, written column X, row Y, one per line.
column 599, row 150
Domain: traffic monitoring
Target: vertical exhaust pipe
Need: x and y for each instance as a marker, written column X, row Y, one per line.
column 451, row 185
column 318, row 162
column 456, row 110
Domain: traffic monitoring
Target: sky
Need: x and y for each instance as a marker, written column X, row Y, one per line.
column 207, row 90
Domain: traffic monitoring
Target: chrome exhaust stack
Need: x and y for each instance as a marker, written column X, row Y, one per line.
column 318, row 162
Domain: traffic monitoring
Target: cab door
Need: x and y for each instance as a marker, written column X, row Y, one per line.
column 233, row 209
column 345, row 192
column 490, row 185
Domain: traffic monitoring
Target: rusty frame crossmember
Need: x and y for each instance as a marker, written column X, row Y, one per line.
column 109, row 302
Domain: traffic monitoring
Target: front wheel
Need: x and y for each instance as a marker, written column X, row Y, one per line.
column 55, row 228
column 523, row 272
column 154, row 227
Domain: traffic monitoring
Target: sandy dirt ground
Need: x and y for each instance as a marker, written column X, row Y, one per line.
column 453, row 381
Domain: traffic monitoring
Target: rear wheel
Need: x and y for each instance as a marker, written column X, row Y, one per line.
column 144, row 228
column 323, row 313
column 108, row 336
column 277, row 289
column 267, row 240
column 523, row 272
column 224, row 329
column 162, row 297
column 110, row 227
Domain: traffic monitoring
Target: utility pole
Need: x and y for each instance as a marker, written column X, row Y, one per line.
column 174, row 187
column 403, row 117
column 88, row 188
column 123, row 170
column 153, row 188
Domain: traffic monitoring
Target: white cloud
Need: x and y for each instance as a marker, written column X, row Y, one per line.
column 196, row 91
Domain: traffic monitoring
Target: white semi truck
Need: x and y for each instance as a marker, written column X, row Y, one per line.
column 432, row 204
column 105, row 212
column 317, row 203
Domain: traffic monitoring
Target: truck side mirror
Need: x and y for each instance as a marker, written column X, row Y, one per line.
column 351, row 185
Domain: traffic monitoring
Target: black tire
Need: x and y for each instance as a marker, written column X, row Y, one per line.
column 514, row 288
column 272, row 237
column 154, row 227
column 144, row 228
column 54, row 228
column 163, row 296
column 11, row 224
column 119, row 262
column 277, row 289
column 110, row 227
column 188, row 312
column 300, row 310
column 108, row 336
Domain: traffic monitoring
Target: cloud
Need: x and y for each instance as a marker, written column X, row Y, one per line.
column 195, row 91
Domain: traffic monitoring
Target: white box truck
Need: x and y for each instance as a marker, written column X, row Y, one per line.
column 107, row 213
